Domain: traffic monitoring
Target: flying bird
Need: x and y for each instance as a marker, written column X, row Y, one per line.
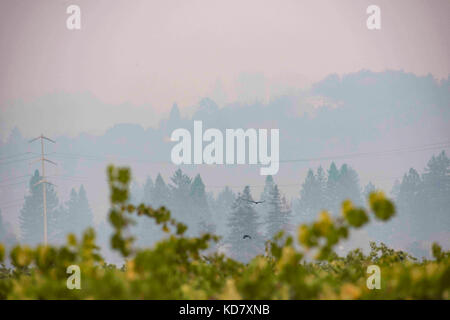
column 255, row 202
column 246, row 236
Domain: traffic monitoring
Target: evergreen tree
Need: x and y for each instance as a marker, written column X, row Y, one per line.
column 268, row 187
column 380, row 231
column 71, row 212
column 322, row 185
column 175, row 113
column 213, row 209
column 423, row 202
column 436, row 193
column 200, row 213
column 285, row 205
column 410, row 203
column 265, row 196
column 224, row 202
column 160, row 195
column 146, row 229
column 332, row 189
column 310, row 197
column 225, row 199
column 348, row 185
column 321, row 179
column 368, row 189
column 278, row 216
column 156, row 195
column 85, row 216
column 180, row 196
column 243, row 221
column 32, row 215
column 78, row 215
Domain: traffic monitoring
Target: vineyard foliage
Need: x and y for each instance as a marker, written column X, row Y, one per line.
column 182, row 267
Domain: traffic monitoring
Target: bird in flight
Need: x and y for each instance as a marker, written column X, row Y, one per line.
column 255, row 202
column 246, row 236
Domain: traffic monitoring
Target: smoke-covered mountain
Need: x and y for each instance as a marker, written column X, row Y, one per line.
column 381, row 124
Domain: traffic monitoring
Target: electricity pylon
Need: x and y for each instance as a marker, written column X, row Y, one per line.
column 44, row 180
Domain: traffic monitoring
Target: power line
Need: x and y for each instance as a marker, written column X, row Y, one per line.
column 15, row 161
column 13, row 184
column 106, row 158
column 426, row 147
column 429, row 146
column 15, row 178
column 14, row 155
column 375, row 153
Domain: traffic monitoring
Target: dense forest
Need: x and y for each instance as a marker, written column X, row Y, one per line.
column 422, row 202
column 184, row 267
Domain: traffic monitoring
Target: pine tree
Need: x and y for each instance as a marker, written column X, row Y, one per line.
column 243, row 221
column 310, row 197
column 160, row 195
column 225, row 199
column 145, row 228
column 332, row 186
column 200, row 213
column 85, row 216
column 32, row 215
column 410, row 203
column 78, row 215
column 368, row 189
column 180, row 196
column 322, row 185
column 71, row 212
column 379, row 230
column 348, row 185
column 224, row 203
column 213, row 208
column 265, row 196
column 175, row 113
column 155, row 195
column 286, row 206
column 436, row 192
column 278, row 216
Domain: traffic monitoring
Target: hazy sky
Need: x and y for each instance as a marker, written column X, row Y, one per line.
column 149, row 54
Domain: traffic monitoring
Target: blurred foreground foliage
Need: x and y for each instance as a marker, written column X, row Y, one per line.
column 181, row 267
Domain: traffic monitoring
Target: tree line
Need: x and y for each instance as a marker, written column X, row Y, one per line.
column 423, row 205
column 73, row 216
